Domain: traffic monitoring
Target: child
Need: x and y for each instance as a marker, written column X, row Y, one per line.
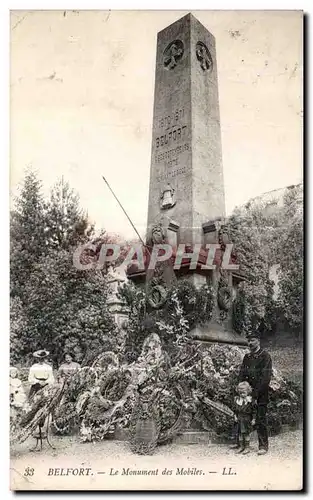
column 245, row 410
column 17, row 394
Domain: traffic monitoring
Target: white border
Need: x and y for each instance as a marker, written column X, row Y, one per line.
column 4, row 171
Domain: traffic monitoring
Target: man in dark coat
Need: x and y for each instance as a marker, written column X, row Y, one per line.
column 256, row 369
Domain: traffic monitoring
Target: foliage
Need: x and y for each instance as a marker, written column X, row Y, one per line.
column 137, row 329
column 291, row 262
column 66, row 224
column 196, row 303
column 67, row 309
column 57, row 307
column 54, row 305
column 105, row 240
column 249, row 234
column 19, row 344
column 27, row 235
column 218, row 381
column 28, row 245
column 185, row 305
column 267, row 234
column 192, row 392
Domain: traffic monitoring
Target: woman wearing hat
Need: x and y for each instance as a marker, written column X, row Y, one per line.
column 40, row 373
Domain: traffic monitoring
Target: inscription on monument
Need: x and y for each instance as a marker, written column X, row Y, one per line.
column 171, row 129
column 170, row 157
column 171, row 120
column 170, row 175
column 176, row 134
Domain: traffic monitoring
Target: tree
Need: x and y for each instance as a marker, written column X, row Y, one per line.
column 249, row 231
column 68, row 308
column 27, row 234
column 18, row 324
column 28, row 244
column 266, row 234
column 54, row 305
column 66, row 223
column 290, row 254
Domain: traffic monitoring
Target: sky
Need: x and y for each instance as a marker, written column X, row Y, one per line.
column 81, row 103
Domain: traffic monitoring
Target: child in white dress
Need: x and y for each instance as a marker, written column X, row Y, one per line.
column 17, row 393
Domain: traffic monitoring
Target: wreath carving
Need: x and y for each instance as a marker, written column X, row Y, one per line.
column 157, row 295
column 173, row 53
column 224, row 298
column 204, row 57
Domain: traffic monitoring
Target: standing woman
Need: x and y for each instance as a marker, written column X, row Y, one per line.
column 69, row 366
column 44, row 397
column 40, row 373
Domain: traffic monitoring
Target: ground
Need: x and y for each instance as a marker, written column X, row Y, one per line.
column 209, row 466
column 281, row 468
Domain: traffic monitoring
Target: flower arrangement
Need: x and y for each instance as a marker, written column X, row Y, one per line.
column 198, row 381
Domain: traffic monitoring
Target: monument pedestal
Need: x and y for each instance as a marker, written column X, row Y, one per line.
column 223, row 281
column 214, row 333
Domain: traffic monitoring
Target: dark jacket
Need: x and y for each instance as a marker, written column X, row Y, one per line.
column 257, row 370
column 244, row 413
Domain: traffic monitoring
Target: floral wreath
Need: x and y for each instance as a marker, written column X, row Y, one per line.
column 156, row 296
column 108, row 357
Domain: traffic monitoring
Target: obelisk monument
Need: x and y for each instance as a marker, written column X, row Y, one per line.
column 186, row 193
column 186, row 176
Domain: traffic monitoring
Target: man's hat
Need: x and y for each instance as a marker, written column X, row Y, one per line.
column 41, row 354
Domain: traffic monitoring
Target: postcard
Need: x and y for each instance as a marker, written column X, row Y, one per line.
column 156, row 230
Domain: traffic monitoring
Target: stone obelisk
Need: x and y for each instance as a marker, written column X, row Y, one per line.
column 186, row 176
column 186, row 193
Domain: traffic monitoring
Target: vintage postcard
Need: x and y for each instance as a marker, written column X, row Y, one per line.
column 156, row 229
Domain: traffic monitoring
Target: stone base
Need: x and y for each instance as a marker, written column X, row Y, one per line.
column 187, row 437
column 121, row 434
column 193, row 437
column 215, row 333
column 202, row 437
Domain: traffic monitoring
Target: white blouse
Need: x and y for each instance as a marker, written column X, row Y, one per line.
column 39, row 373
